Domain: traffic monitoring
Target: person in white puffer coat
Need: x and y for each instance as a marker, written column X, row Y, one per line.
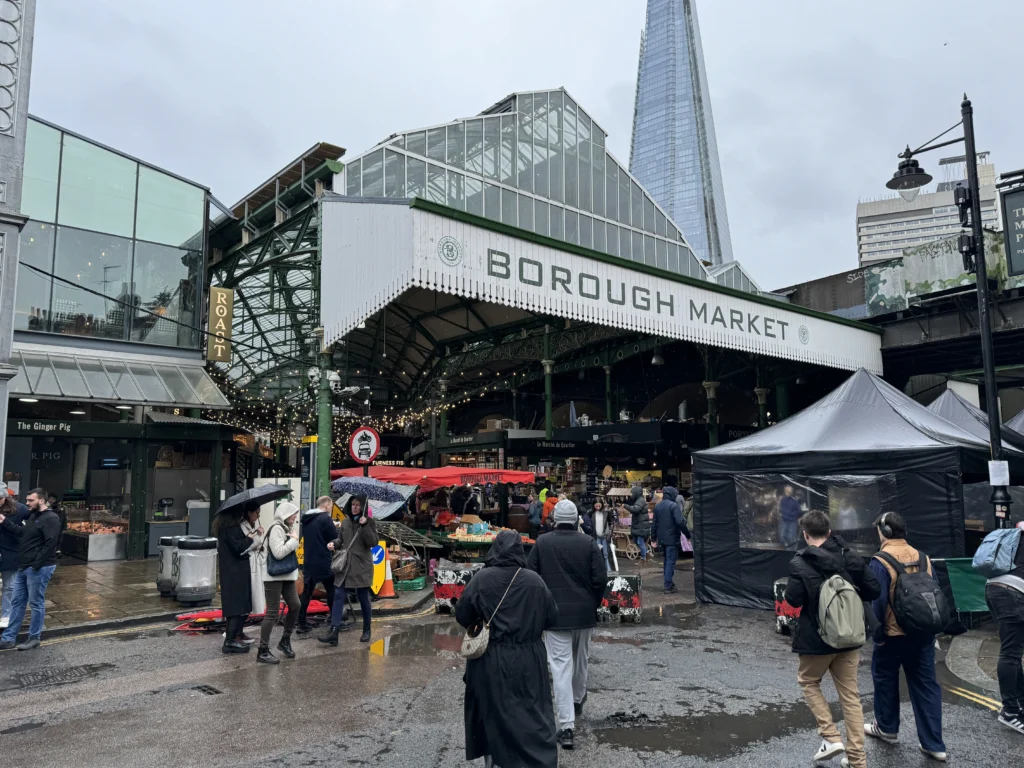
column 279, row 580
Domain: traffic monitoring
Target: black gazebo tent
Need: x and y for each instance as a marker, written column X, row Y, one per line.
column 952, row 407
column 1017, row 422
column 864, row 449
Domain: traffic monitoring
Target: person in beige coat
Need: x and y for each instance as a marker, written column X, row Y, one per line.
column 279, row 580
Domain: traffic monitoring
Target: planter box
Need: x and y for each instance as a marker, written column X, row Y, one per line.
column 95, row 547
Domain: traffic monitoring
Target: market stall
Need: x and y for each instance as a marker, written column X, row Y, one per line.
column 864, row 449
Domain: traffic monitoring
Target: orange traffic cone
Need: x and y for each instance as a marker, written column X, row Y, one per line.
column 388, row 590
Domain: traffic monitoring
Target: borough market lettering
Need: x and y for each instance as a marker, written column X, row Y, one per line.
column 587, row 286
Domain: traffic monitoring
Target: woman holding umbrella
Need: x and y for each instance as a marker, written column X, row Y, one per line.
column 358, row 536
column 233, row 548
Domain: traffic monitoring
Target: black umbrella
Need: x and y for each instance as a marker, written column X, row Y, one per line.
column 253, row 498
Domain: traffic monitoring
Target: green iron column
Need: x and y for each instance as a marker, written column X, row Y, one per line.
column 711, row 387
column 549, row 365
column 762, row 406
column 608, row 394
column 216, row 468
column 325, row 422
column 781, row 399
column 443, row 386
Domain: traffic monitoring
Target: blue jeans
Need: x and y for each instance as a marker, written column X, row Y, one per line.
column 29, row 590
column 789, row 532
column 671, row 553
column 338, row 608
column 918, row 662
column 642, row 543
column 8, row 594
column 603, row 544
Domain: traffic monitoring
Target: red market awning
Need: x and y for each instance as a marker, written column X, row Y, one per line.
column 431, row 479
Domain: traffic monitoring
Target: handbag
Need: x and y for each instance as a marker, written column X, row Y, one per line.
column 474, row 646
column 282, row 566
column 339, row 561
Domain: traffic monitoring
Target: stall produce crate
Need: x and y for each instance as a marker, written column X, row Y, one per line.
column 623, row 598
column 411, row 585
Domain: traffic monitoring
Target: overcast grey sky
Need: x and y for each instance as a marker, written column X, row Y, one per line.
column 812, row 100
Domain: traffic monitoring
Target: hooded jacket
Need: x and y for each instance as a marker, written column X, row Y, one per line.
column 668, row 519
column 360, row 538
column 808, row 570
column 39, row 540
column 11, row 530
column 641, row 522
column 317, row 530
column 572, row 566
column 279, row 543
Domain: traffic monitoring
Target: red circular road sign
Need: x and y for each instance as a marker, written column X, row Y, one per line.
column 364, row 445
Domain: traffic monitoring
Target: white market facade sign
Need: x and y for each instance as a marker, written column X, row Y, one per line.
column 374, row 251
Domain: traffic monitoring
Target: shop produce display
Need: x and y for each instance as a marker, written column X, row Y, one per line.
column 87, row 528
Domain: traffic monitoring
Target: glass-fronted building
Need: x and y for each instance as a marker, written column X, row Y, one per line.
column 536, row 161
column 674, row 153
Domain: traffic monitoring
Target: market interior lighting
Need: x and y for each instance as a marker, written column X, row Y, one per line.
column 27, row 400
column 124, row 407
column 77, row 413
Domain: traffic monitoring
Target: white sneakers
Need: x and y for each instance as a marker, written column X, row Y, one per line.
column 1015, row 722
column 937, row 756
column 4, row 622
column 872, row 729
column 828, row 750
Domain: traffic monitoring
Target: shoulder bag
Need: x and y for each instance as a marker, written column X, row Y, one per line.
column 284, row 566
column 339, row 561
column 474, row 646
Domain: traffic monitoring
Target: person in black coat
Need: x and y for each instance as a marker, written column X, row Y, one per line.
column 667, row 528
column 233, row 548
column 15, row 514
column 825, row 556
column 572, row 566
column 508, row 715
column 318, row 530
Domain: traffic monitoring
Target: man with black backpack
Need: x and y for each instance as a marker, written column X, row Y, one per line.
column 911, row 610
column 829, row 583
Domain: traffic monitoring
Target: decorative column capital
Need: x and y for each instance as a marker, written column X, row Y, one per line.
column 762, row 395
column 548, row 366
column 607, row 370
column 711, row 387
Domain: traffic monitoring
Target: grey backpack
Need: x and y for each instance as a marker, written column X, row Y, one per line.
column 840, row 614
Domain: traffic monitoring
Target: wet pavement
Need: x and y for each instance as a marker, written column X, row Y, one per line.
column 690, row 686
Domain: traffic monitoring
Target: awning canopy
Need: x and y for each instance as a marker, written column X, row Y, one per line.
column 91, row 378
column 431, row 479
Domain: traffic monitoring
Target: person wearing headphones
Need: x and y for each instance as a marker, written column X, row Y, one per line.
column 895, row 648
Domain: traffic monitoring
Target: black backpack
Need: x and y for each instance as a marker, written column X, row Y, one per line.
column 917, row 600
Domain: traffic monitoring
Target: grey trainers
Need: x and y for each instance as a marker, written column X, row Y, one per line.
column 28, row 645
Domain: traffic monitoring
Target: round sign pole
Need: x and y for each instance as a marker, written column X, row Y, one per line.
column 363, row 447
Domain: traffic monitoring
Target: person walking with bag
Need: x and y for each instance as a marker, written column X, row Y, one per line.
column 282, row 570
column 1004, row 593
column 910, row 610
column 233, row 549
column 508, row 716
column 829, row 583
column 640, row 520
column 572, row 567
column 353, row 567
column 318, row 531
column 668, row 527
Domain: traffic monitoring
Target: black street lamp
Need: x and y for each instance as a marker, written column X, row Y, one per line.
column 908, row 180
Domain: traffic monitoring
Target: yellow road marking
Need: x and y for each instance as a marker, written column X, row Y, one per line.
column 977, row 698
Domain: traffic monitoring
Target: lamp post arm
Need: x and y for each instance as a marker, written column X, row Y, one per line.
column 928, row 146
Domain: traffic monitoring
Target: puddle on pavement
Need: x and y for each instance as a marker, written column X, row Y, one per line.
column 143, row 635
column 684, row 616
column 713, row 735
column 21, row 728
column 425, row 640
column 636, row 642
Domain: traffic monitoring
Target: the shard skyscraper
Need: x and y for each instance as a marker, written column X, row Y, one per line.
column 674, row 153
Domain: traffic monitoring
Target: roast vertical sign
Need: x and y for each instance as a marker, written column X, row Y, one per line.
column 1013, row 230
column 218, row 344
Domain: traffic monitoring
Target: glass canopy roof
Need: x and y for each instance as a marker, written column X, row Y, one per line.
column 536, row 161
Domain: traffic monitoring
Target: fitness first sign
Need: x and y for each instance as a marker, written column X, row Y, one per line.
column 475, row 262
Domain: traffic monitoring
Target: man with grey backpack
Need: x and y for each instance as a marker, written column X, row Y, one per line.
column 829, row 583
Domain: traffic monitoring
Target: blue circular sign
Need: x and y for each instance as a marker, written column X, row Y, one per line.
column 377, row 553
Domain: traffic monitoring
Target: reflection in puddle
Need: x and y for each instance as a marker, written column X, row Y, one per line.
column 714, row 735
column 425, row 640
column 680, row 616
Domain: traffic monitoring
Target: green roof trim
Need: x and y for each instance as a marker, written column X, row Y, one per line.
column 579, row 250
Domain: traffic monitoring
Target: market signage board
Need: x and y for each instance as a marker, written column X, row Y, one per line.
column 415, row 247
column 1013, row 227
column 222, row 304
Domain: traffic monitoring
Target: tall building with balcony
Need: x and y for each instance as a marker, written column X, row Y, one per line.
column 674, row 154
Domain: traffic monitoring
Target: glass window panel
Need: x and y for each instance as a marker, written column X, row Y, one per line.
column 662, row 224
column 170, row 211
column 455, row 152
column 572, row 226
column 456, row 191
column 474, row 196
column 599, row 185
column 556, row 222
column 673, row 256
column 42, row 167
column 508, row 149
column 556, row 156
column 650, row 257
column 492, row 201
column 417, row 143
column 40, row 376
column 68, row 377
column 612, row 239
column 435, row 184
column 526, row 212
column 649, row 217
column 436, row 143
column 583, row 129
column 175, row 383
column 540, row 217
column 524, row 161
column 101, row 263
column 637, row 200
column 508, row 207
column 661, row 254
column 164, row 284
column 354, row 178
column 152, row 387
column 586, row 231
column 475, row 146
column 203, row 386
column 611, row 175
column 96, row 378
column 373, row 174
column 32, row 301
column 399, row 143
column 569, row 142
column 638, row 246
column 541, row 167
column 416, row 178
column 97, row 188
column 623, row 197
column 624, row 243
column 394, row 174
column 492, row 140
column 599, row 241
column 123, row 382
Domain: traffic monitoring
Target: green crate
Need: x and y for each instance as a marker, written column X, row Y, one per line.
column 411, row 585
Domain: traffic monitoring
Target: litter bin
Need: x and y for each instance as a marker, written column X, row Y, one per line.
column 165, row 578
column 196, row 560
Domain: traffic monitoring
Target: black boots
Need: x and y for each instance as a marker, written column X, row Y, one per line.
column 234, row 646
column 565, row 740
column 331, row 638
column 285, row 647
column 266, row 657
column 365, row 637
column 303, row 627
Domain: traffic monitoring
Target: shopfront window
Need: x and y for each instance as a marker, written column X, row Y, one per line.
column 769, row 506
column 97, row 189
column 165, row 294
column 91, row 299
column 179, row 472
column 32, row 301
